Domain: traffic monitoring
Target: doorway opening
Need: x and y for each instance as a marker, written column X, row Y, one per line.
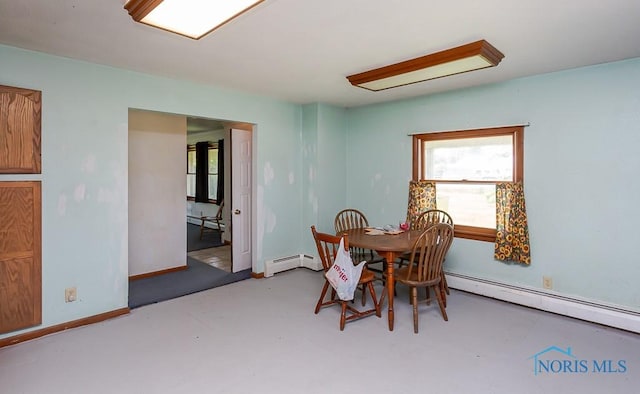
column 164, row 223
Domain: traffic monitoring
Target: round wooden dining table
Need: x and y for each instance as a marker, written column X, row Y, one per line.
column 389, row 246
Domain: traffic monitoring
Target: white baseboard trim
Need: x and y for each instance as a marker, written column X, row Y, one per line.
column 274, row 266
column 194, row 220
column 548, row 301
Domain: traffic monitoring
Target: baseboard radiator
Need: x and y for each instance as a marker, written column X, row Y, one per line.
column 274, row 266
column 549, row 301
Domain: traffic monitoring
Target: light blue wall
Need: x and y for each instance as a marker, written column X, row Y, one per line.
column 580, row 166
column 324, row 152
column 84, row 170
column 332, row 144
column 311, row 188
column 581, row 173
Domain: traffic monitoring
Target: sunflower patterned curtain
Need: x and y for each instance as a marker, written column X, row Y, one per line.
column 422, row 196
column 512, row 240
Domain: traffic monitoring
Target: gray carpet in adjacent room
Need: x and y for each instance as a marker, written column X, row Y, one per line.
column 197, row 277
column 210, row 239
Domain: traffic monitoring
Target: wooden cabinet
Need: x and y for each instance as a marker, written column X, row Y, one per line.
column 20, row 255
column 19, row 130
column 20, row 210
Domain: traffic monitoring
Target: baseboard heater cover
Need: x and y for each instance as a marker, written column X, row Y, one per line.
column 274, row 266
column 608, row 315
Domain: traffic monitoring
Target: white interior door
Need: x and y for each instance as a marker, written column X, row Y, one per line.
column 240, row 199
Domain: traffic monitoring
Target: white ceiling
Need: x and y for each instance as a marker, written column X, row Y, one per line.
column 302, row 50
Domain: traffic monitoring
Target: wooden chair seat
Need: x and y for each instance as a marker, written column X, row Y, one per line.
column 410, row 277
column 367, row 276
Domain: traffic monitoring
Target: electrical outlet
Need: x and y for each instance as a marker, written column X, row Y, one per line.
column 70, row 294
column 547, row 282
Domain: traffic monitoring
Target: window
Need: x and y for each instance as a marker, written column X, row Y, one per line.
column 212, row 168
column 465, row 166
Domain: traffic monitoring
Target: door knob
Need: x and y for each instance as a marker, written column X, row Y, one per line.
column 237, row 212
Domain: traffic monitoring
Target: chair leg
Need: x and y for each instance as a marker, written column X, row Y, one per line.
column 414, row 302
column 201, row 228
column 436, row 288
column 373, row 297
column 364, row 295
column 427, row 295
column 443, row 292
column 444, row 289
column 324, row 292
column 343, row 315
column 444, row 283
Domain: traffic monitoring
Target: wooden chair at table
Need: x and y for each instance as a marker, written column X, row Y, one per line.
column 348, row 219
column 427, row 255
column 328, row 245
column 213, row 219
column 427, row 219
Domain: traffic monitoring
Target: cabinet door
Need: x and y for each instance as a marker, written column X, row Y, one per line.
column 20, row 255
column 19, row 130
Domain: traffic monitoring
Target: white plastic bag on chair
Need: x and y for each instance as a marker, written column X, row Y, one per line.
column 343, row 275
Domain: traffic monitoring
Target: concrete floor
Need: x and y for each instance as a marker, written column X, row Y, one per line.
column 261, row 336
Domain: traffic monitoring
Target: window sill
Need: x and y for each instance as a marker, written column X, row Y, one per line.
column 475, row 233
column 193, row 199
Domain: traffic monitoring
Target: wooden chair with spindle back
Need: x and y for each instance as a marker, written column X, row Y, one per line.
column 348, row 219
column 327, row 245
column 427, row 256
column 427, row 219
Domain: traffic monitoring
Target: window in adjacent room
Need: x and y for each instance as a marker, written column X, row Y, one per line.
column 212, row 169
column 465, row 166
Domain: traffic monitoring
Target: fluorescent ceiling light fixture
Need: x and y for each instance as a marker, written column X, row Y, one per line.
column 191, row 18
column 469, row 57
